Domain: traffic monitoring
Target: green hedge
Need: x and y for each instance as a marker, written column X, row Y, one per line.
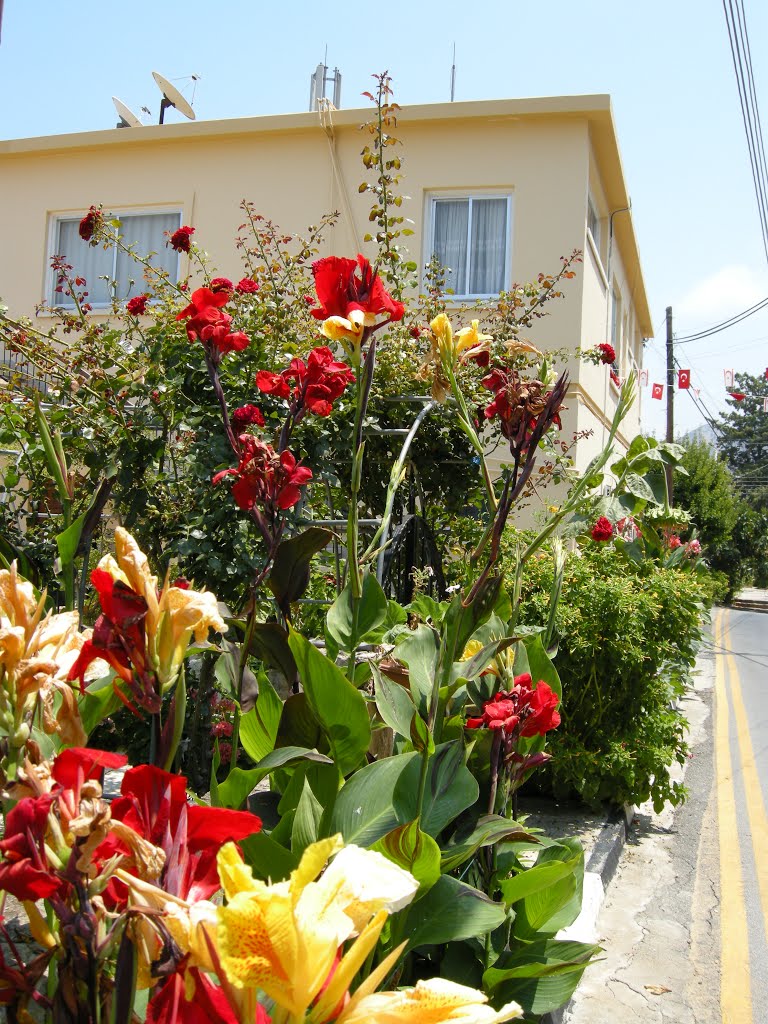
column 628, row 635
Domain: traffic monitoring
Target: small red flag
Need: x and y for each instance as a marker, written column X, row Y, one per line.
column 683, row 379
column 657, row 391
column 766, row 373
column 737, row 396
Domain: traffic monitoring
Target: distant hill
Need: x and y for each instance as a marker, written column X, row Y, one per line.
column 703, row 433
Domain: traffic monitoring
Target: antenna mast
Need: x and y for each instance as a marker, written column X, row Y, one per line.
column 453, row 74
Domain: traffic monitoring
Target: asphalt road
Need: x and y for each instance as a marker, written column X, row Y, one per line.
column 741, row 784
column 685, row 922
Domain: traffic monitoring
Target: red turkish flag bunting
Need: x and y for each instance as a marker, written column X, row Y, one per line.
column 737, row 396
column 657, row 391
column 683, row 379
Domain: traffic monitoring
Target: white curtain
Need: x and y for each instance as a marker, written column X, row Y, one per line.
column 88, row 261
column 450, row 241
column 489, row 246
column 145, row 233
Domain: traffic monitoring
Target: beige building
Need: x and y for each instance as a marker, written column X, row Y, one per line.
column 500, row 190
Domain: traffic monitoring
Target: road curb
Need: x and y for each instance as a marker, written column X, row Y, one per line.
column 598, row 873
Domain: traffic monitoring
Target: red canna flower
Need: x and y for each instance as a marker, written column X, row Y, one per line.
column 602, row 530
column 247, row 286
column 206, row 322
column 246, row 415
column 265, row 478
column 154, row 804
column 674, row 542
column 318, row 383
column 524, row 710
column 351, row 296
column 137, row 306
column 181, row 239
column 90, row 224
column 24, row 871
column 190, row 997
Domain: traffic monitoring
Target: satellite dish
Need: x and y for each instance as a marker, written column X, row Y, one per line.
column 127, row 117
column 171, row 98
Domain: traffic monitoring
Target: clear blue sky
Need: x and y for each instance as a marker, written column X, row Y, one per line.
column 667, row 66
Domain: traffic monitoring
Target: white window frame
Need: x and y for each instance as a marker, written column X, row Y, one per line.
column 594, row 214
column 54, row 219
column 469, row 194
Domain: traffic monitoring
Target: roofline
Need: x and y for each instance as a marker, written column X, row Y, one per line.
column 595, row 109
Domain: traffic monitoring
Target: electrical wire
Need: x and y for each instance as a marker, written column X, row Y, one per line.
column 717, row 328
column 741, row 56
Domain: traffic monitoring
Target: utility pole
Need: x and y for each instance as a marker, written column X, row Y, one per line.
column 670, row 396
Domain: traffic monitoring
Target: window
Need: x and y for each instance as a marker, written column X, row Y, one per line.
column 470, row 235
column 93, row 262
column 593, row 222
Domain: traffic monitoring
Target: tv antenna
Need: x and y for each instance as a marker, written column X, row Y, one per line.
column 453, row 74
column 127, row 117
column 172, row 97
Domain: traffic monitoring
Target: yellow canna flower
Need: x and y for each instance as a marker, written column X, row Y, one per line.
column 470, row 343
column 436, row 1001
column 285, row 938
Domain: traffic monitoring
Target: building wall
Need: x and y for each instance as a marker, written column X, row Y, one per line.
column 294, row 172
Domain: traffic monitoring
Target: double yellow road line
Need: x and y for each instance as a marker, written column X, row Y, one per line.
column 735, row 989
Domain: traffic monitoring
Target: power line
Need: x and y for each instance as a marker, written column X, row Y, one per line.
column 731, row 322
column 738, row 38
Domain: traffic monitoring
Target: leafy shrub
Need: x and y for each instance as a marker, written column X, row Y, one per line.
column 628, row 635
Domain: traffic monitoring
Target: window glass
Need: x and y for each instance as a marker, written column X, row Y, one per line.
column 450, row 241
column 95, row 262
column 470, row 237
column 593, row 222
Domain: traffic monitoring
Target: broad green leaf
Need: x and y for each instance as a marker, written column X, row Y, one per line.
column 394, row 703
column 548, row 909
column 268, row 860
column 533, row 879
column 540, row 665
column 269, row 642
column 339, row 708
column 413, row 850
column 639, row 487
column 461, row 620
column 365, row 809
column 427, row 609
column 298, row 725
column 419, row 652
column 551, row 972
column 341, row 625
column 473, row 666
column 289, row 577
column 98, row 702
column 234, row 790
column 450, row 789
column 486, row 831
column 258, row 728
column 451, row 910
column 306, row 820
column 421, row 737
column 67, row 542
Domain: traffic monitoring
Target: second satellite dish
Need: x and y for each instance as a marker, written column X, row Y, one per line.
column 127, row 117
column 171, row 98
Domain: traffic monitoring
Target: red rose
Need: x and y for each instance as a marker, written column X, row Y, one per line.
column 247, row 286
column 602, row 530
column 180, row 239
column 221, row 284
column 245, row 416
column 89, row 224
column 607, row 352
column 137, row 306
